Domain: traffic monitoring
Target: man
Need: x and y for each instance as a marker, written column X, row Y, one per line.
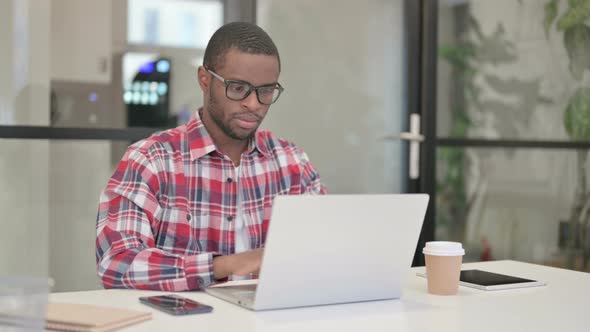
column 191, row 205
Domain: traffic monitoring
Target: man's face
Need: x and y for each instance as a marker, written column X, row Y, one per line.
column 240, row 119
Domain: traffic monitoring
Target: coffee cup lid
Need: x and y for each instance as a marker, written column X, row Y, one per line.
column 443, row 248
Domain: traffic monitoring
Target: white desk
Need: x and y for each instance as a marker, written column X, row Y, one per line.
column 562, row 305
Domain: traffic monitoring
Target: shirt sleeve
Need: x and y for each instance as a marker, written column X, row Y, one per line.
column 126, row 253
column 310, row 178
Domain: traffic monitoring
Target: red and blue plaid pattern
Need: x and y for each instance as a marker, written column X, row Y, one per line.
column 169, row 207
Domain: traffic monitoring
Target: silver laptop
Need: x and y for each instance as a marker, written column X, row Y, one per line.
column 333, row 249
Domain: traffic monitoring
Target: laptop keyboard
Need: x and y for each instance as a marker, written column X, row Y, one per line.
column 245, row 294
column 245, row 288
column 247, row 297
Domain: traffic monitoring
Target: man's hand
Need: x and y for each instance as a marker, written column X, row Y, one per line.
column 241, row 264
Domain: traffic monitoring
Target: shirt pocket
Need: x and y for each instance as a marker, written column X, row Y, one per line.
column 212, row 232
column 174, row 233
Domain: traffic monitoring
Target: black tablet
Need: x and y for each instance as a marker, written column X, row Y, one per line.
column 494, row 281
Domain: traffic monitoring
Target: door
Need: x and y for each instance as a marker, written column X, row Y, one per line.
column 351, row 71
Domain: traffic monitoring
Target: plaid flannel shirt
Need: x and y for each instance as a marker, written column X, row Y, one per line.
column 170, row 205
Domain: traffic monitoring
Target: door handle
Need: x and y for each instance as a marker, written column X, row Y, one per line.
column 414, row 138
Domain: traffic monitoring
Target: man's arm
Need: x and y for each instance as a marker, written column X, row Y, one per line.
column 126, row 251
column 310, row 178
column 241, row 264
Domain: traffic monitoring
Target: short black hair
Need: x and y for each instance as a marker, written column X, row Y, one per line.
column 246, row 37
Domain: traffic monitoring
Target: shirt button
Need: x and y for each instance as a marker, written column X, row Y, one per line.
column 229, row 180
column 188, row 217
column 230, row 218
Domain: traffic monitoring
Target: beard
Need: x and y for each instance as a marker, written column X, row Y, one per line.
column 214, row 110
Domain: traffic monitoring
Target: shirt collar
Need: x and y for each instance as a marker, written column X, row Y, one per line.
column 201, row 143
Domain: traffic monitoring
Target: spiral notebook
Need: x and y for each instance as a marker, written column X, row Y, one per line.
column 91, row 318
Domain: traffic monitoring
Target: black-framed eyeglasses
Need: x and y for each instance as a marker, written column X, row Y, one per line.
column 239, row 90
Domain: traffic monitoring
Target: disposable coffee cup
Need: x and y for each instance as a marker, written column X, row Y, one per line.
column 443, row 266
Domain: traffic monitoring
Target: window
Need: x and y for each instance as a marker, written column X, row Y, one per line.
column 173, row 23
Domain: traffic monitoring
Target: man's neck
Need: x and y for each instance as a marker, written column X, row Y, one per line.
column 233, row 148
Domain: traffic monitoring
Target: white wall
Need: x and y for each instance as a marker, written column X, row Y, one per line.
column 343, row 71
column 81, row 40
column 81, row 47
column 24, row 100
column 79, row 172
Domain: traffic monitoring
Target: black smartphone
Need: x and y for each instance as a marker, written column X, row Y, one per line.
column 176, row 305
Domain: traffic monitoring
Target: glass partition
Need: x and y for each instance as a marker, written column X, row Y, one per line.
column 517, row 72
column 49, row 201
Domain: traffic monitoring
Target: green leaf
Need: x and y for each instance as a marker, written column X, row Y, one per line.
column 577, row 115
column 458, row 56
column 550, row 15
column 578, row 12
column 461, row 124
column 577, row 44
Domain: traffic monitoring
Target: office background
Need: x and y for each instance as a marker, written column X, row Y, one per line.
column 503, row 81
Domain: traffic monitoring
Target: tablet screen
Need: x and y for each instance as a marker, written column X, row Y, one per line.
column 485, row 278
